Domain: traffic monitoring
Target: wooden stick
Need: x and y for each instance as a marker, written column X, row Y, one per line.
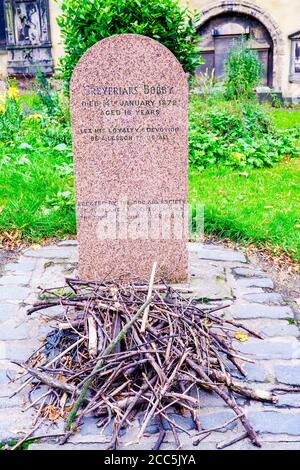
column 224, row 444
column 50, row 381
column 93, row 340
column 82, row 396
column 146, row 312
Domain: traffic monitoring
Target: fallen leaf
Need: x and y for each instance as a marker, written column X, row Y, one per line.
column 63, row 401
column 60, row 378
column 240, row 336
column 53, row 414
column 35, row 246
column 269, row 207
column 297, row 226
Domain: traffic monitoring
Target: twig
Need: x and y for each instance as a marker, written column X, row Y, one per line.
column 150, row 289
column 224, row 444
column 99, row 364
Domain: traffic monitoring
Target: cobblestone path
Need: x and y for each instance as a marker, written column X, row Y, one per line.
column 218, row 275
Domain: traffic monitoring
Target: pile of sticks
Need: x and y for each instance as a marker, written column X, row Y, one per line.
column 119, row 349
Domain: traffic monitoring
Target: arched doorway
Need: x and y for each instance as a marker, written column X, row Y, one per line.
column 218, row 34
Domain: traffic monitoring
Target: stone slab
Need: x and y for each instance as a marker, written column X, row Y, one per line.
column 7, row 310
column 21, row 267
column 221, row 255
column 264, row 298
column 275, row 422
column 13, row 293
column 270, row 349
column 129, row 99
column 252, row 311
column 15, row 279
column 209, row 282
column 288, row 374
column 255, row 282
column 248, row 272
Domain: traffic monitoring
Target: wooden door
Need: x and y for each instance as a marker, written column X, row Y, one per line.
column 222, row 47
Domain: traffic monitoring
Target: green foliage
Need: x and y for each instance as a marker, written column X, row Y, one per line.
column 83, row 24
column 237, row 134
column 11, row 115
column 36, row 168
column 45, row 93
column 8, row 445
column 243, row 71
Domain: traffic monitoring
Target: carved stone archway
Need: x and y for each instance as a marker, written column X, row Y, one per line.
column 250, row 9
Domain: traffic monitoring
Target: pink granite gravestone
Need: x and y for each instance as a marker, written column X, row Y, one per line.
column 129, row 100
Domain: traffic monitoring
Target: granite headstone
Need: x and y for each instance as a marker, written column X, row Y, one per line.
column 129, row 102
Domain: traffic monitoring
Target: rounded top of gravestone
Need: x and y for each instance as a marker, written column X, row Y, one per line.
column 125, row 53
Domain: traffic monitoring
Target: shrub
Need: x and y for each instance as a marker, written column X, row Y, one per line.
column 243, row 71
column 85, row 23
column 236, row 134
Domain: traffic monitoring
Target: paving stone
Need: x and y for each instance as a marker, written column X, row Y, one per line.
column 248, row 272
column 212, row 420
column 275, row 422
column 52, row 252
column 264, row 298
column 256, row 282
column 16, row 350
column 268, row 349
column 7, row 310
column 12, row 330
column 14, row 425
column 68, row 447
column 207, row 399
column 184, row 422
column 149, row 443
column 152, row 427
column 89, row 427
column 209, row 282
column 280, row 328
column 53, row 275
column 251, row 311
column 14, row 293
column 15, row 280
column 288, row 374
column 221, row 255
column 289, row 400
column 255, row 372
column 6, row 402
column 20, row 267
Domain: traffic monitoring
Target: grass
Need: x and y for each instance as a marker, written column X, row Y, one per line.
column 261, row 207
column 285, row 119
column 36, row 194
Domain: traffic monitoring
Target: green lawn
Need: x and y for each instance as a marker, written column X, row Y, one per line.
column 285, row 119
column 261, row 207
column 36, row 193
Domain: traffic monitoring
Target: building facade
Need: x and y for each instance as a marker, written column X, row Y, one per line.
column 30, row 38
